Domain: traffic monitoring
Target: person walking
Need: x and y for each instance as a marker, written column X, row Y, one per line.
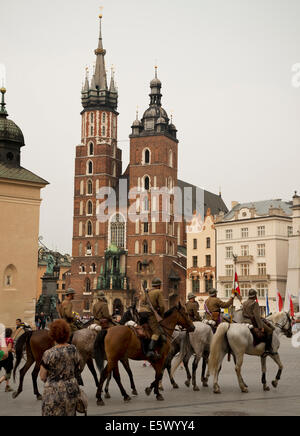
column 8, row 363
column 58, row 371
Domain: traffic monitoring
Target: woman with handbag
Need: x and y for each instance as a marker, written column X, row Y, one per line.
column 59, row 367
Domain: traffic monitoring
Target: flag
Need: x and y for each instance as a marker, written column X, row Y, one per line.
column 279, row 302
column 292, row 312
column 236, row 287
column 267, row 304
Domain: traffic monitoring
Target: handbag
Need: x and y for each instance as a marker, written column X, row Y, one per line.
column 82, row 403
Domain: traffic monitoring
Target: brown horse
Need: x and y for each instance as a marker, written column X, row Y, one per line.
column 120, row 342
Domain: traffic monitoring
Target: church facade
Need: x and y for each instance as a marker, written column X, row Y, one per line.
column 128, row 226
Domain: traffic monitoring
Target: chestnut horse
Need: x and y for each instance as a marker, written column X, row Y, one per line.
column 121, row 342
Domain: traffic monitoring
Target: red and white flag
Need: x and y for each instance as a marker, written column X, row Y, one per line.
column 292, row 312
column 236, row 287
column 279, row 302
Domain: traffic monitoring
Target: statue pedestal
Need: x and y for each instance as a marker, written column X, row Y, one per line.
column 48, row 299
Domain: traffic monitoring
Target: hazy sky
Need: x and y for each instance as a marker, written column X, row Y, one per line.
column 226, row 72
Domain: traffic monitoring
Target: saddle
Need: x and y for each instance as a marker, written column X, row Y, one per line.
column 141, row 331
column 258, row 336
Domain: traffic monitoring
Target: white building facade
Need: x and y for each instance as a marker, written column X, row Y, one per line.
column 254, row 239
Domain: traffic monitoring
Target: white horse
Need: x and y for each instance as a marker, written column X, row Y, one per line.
column 238, row 340
column 198, row 343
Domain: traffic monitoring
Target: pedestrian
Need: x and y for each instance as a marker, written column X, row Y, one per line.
column 3, row 346
column 8, row 363
column 58, row 371
column 42, row 320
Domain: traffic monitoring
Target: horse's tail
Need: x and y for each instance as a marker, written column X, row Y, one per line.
column 215, row 348
column 99, row 350
column 19, row 347
column 185, row 348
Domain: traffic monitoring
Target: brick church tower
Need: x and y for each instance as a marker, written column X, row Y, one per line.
column 152, row 231
column 98, row 164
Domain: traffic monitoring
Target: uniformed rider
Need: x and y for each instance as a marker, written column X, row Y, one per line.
column 213, row 306
column 192, row 307
column 101, row 311
column 66, row 310
column 156, row 298
column 251, row 315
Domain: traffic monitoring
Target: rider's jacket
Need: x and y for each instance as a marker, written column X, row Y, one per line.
column 192, row 310
column 157, row 301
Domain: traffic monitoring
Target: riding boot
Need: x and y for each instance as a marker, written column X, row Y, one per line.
column 151, row 353
column 269, row 350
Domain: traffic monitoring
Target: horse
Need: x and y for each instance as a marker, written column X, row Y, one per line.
column 238, row 340
column 198, row 343
column 37, row 342
column 84, row 341
column 121, row 342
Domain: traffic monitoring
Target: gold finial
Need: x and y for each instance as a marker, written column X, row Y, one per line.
column 101, row 10
column 3, row 90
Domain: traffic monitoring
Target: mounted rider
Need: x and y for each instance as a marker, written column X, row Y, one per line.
column 213, row 306
column 66, row 310
column 192, row 307
column 251, row 315
column 101, row 312
column 146, row 313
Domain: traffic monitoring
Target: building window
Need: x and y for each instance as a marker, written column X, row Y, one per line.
column 245, row 269
column 146, row 156
column 290, row 231
column 91, row 149
column 195, row 244
column 207, row 242
column 195, row 261
column 146, row 183
column 229, row 252
column 89, row 167
column 103, row 131
column 229, row 270
column 262, row 289
column 89, row 187
column 145, row 247
column 245, row 287
column 245, row 250
column 244, row 232
column 208, row 282
column 228, row 290
column 261, row 231
column 196, row 285
column 89, row 208
column 89, row 228
column 208, row 260
column 262, row 269
column 117, row 231
column 146, row 227
column 261, row 250
column 82, row 268
column 93, row 267
column 92, row 130
column 103, row 117
column 88, row 249
column 228, row 234
column 88, row 285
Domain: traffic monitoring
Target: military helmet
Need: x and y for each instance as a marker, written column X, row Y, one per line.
column 100, row 294
column 191, row 295
column 212, row 292
column 70, row 291
column 252, row 293
column 156, row 282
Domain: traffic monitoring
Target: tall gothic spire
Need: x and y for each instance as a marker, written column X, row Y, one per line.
column 100, row 73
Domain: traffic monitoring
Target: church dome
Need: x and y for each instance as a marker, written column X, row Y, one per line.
column 155, row 112
column 9, row 131
column 155, row 83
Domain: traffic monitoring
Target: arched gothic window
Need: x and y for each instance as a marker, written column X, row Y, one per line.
column 89, row 208
column 117, row 231
column 88, row 285
column 90, row 167
column 89, row 187
column 145, row 247
column 146, row 183
column 146, row 156
column 91, row 149
column 89, row 228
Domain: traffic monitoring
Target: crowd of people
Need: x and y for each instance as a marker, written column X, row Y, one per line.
column 60, row 364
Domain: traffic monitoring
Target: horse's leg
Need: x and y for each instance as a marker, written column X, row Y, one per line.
column 125, row 363
column 277, row 360
column 118, row 380
column 187, row 370
column 34, row 376
column 194, row 370
column 91, row 367
column 168, row 366
column 107, row 394
column 238, row 367
column 104, row 374
column 263, row 376
column 29, row 362
column 204, row 379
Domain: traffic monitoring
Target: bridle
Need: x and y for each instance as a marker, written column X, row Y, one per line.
column 181, row 328
column 282, row 326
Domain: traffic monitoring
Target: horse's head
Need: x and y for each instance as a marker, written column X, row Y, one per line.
column 183, row 318
column 284, row 322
